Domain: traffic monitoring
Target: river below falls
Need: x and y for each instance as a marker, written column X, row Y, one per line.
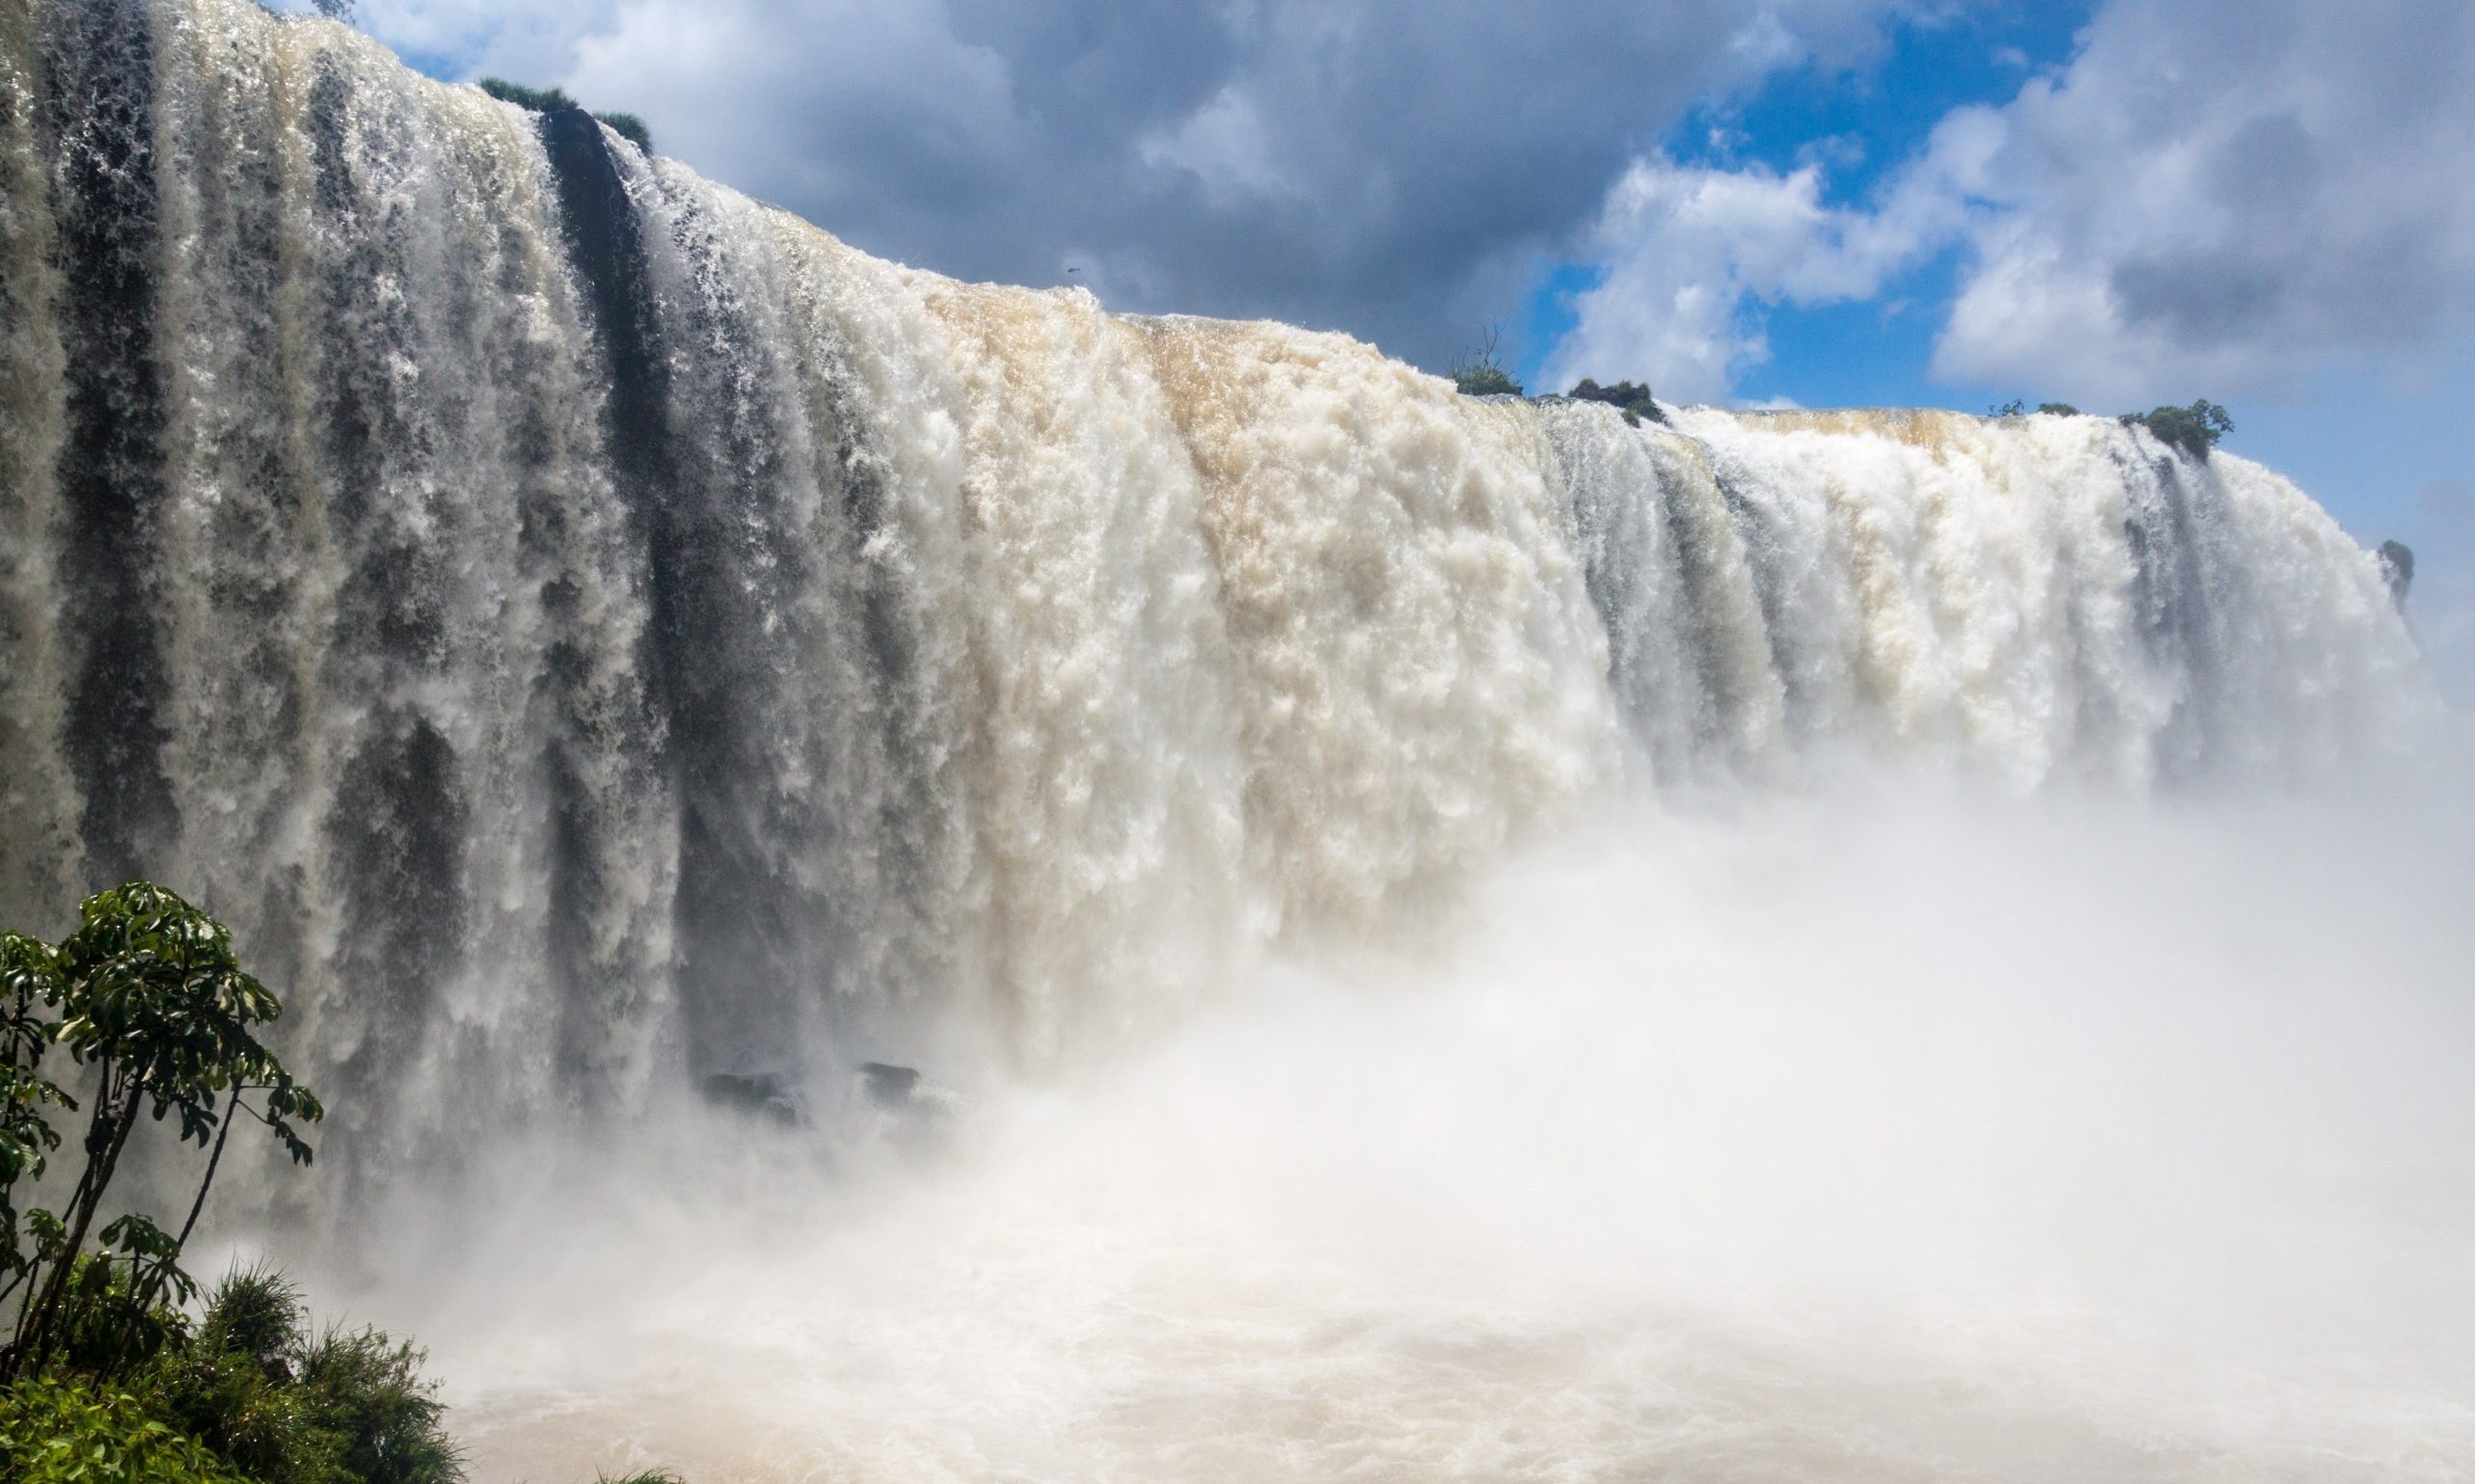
column 1873, row 1139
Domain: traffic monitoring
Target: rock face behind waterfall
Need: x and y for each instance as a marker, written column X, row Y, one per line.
column 589, row 631
column 2397, row 567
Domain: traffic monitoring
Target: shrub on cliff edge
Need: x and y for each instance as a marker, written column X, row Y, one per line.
column 1478, row 375
column 2195, row 430
column 547, row 100
column 1631, row 399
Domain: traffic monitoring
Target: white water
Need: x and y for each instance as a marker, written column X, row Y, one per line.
column 587, row 631
column 1897, row 1137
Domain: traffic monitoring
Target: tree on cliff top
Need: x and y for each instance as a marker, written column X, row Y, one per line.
column 1632, row 400
column 545, row 100
column 1478, row 375
column 2194, row 429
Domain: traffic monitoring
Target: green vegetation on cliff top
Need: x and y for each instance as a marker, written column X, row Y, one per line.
column 544, row 100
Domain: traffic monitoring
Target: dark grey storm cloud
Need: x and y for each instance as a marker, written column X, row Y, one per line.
column 1385, row 167
column 2214, row 193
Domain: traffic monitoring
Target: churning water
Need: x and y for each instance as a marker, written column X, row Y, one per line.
column 1474, row 939
column 1888, row 1138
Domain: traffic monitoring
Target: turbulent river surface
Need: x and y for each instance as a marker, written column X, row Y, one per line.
column 1450, row 937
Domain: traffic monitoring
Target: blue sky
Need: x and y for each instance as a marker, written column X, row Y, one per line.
column 1952, row 202
column 2389, row 448
column 2384, row 434
column 1867, row 119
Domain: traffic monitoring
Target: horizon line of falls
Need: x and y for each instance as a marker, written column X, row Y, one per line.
column 584, row 629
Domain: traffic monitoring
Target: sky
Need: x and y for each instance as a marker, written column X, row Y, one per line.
column 2113, row 203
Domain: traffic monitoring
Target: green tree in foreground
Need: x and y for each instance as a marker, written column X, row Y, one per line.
column 149, row 1001
column 105, row 1376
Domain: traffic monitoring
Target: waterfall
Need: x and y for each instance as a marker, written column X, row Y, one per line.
column 586, row 628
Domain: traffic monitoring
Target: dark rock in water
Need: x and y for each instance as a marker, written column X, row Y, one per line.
column 888, row 1085
column 895, row 1106
column 1634, row 401
column 768, row 1095
column 2398, row 565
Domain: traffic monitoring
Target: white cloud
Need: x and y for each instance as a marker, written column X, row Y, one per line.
column 2215, row 197
column 816, row 99
column 2227, row 196
column 1689, row 254
column 487, row 34
column 1226, row 145
column 1684, row 248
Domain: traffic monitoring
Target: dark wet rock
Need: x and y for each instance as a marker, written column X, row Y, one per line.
column 907, row 1113
column 889, row 1085
column 759, row 1095
column 2398, row 566
column 1633, row 400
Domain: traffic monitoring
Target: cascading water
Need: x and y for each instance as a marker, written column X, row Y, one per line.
column 580, row 624
column 587, row 631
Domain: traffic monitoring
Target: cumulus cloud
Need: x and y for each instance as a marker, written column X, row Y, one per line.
column 2220, row 196
column 2226, row 193
column 1394, row 168
column 1688, row 253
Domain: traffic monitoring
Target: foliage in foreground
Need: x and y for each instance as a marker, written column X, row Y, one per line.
column 55, row 1431
column 157, row 1017
column 108, row 1376
column 245, row 1393
column 287, row 1405
column 105, row 1375
column 550, row 100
